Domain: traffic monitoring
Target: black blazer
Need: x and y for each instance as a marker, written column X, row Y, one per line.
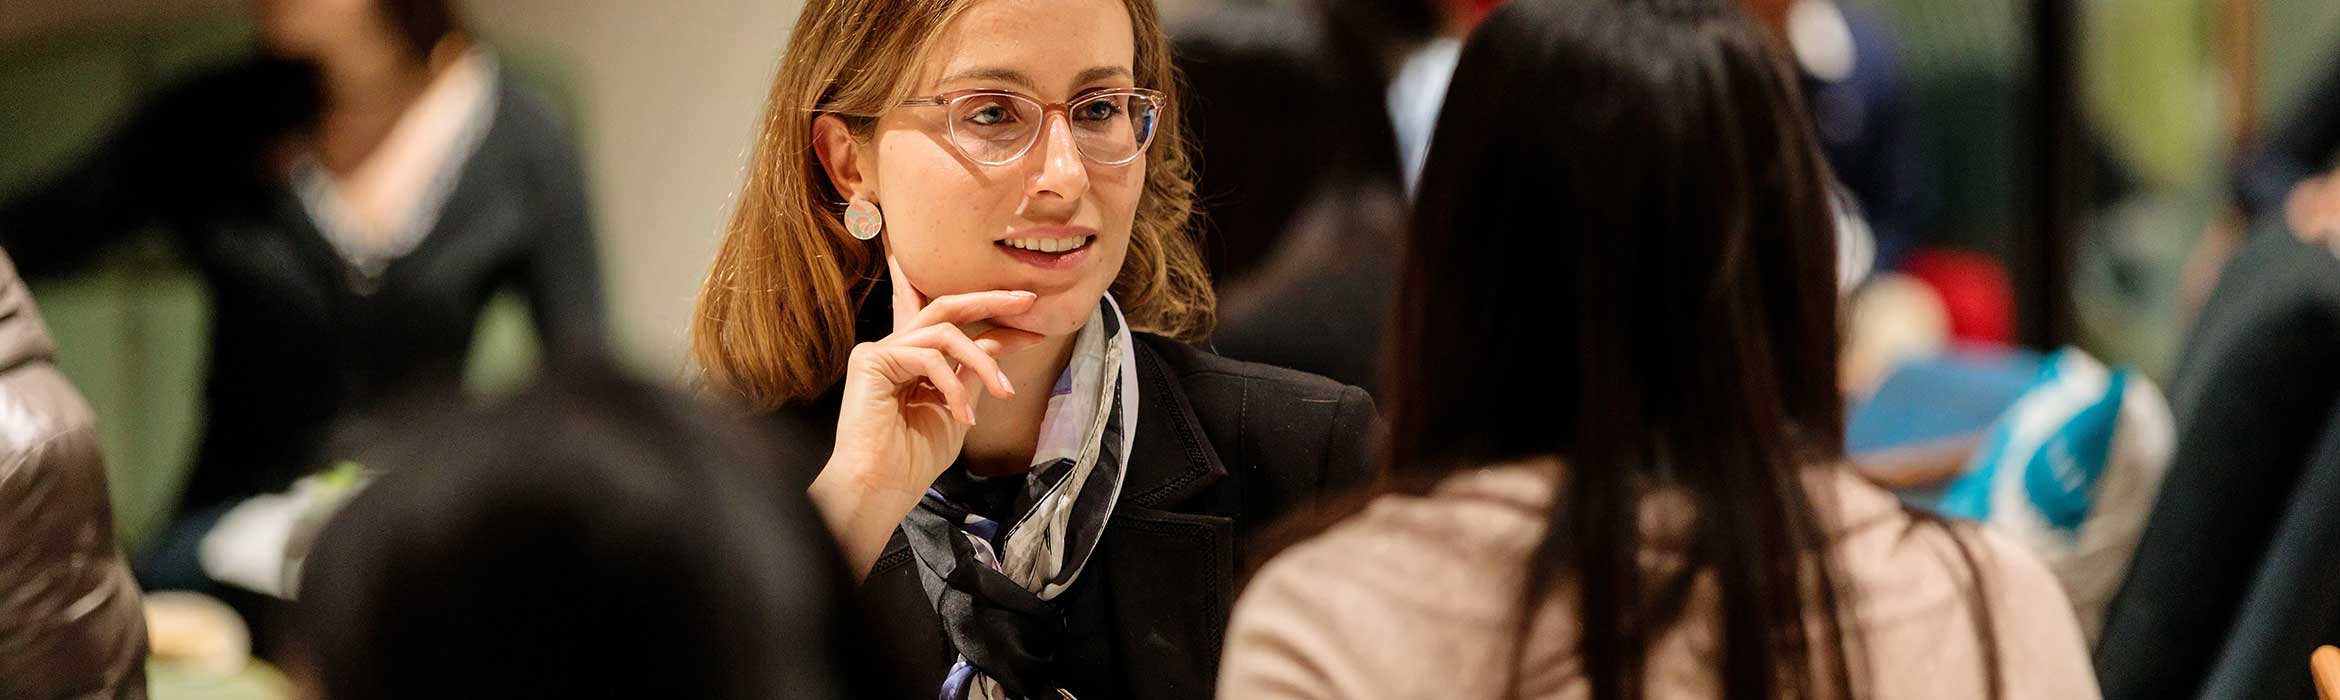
column 1223, row 449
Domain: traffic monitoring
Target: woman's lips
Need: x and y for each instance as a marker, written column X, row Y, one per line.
column 1049, row 248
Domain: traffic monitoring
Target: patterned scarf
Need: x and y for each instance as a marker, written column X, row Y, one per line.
column 994, row 586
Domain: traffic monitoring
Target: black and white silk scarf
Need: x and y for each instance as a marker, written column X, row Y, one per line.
column 994, row 583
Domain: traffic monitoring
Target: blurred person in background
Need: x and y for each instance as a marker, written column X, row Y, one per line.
column 1858, row 96
column 1615, row 461
column 592, row 537
column 2287, row 178
column 2233, row 580
column 1410, row 47
column 2233, row 577
column 2286, row 183
column 961, row 276
column 1301, row 204
column 352, row 195
column 70, row 621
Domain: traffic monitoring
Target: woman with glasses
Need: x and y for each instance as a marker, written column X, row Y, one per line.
column 960, row 273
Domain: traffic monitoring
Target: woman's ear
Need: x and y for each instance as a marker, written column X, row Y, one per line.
column 842, row 158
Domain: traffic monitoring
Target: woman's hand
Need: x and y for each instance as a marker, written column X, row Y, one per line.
column 909, row 400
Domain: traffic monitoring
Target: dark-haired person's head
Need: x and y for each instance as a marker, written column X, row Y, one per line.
column 1623, row 256
column 302, row 29
column 1278, row 118
column 590, row 539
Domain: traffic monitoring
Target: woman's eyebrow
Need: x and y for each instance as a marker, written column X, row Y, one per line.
column 1100, row 73
column 998, row 74
column 1019, row 79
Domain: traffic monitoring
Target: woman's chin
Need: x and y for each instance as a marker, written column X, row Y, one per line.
column 1053, row 318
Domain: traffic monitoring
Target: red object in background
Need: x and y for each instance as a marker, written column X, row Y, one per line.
column 1468, row 12
column 1976, row 292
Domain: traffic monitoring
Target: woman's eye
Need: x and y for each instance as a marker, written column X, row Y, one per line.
column 1100, row 110
column 990, row 115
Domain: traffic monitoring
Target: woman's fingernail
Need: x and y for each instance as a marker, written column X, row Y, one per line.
column 1021, row 294
column 1005, row 384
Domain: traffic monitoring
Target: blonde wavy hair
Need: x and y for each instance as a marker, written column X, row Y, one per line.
column 775, row 318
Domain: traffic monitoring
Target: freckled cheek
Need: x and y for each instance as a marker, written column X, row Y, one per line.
column 943, row 206
column 1117, row 191
column 1124, row 181
column 941, row 219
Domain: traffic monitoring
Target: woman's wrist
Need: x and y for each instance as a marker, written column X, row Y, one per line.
column 861, row 511
column 864, row 478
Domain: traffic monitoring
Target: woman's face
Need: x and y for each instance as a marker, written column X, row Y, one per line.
column 304, row 28
column 958, row 226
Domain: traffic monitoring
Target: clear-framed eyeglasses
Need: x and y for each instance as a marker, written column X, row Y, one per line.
column 996, row 127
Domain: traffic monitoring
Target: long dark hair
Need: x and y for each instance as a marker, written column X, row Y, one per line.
column 1623, row 256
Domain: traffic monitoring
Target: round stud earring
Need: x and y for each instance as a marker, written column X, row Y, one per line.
column 863, row 220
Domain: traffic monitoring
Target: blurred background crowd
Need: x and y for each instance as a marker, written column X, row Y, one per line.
column 2094, row 226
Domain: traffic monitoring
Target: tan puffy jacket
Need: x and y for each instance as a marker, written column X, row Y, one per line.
column 71, row 624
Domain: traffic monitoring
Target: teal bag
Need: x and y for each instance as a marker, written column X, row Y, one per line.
column 2058, row 435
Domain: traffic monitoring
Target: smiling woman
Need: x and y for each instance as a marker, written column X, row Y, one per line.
column 773, row 334
column 955, row 198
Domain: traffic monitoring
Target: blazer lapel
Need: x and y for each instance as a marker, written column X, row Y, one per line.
column 1171, row 573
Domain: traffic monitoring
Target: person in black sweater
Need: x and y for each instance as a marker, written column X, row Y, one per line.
column 352, row 197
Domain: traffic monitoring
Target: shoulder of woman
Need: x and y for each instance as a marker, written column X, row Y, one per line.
column 241, row 83
column 1910, row 560
column 1295, row 400
column 1881, row 532
column 1398, row 592
column 1202, row 369
column 1287, row 637
column 2019, row 582
column 2038, row 631
column 1464, row 535
column 240, row 104
column 1301, row 428
column 1322, row 581
column 531, row 113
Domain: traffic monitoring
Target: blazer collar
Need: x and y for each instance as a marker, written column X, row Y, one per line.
column 1171, row 460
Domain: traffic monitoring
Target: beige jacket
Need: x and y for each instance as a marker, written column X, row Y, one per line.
column 71, row 625
column 1416, row 597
